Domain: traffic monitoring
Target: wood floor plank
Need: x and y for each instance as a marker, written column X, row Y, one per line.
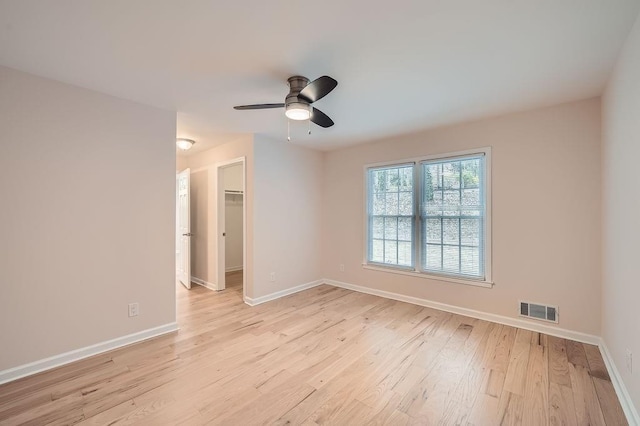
column 112, row 415
column 516, row 372
column 461, row 400
column 562, row 409
column 268, row 407
column 595, row 362
column 586, row 401
column 576, row 354
column 558, row 362
column 611, row 409
column 536, row 397
column 485, row 411
column 323, row 356
column 67, row 410
column 511, row 409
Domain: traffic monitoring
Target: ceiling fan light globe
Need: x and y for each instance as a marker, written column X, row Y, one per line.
column 298, row 114
column 298, row 111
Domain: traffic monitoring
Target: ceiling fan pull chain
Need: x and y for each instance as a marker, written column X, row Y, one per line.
column 288, row 130
column 309, row 121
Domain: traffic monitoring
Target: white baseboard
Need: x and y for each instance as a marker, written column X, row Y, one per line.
column 278, row 294
column 513, row 322
column 88, row 351
column 621, row 390
column 204, row 283
column 233, row 268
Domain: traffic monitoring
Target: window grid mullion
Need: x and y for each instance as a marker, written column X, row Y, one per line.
column 397, row 221
column 481, row 228
column 441, row 183
column 384, row 237
column 416, row 244
column 459, row 220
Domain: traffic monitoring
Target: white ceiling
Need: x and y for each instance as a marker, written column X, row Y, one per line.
column 401, row 66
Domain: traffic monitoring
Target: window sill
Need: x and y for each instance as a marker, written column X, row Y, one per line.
column 476, row 283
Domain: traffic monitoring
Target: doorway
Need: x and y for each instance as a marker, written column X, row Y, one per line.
column 231, row 214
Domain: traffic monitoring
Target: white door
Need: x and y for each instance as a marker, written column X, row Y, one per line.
column 184, row 229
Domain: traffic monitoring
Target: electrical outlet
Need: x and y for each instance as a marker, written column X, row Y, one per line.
column 629, row 358
column 134, row 309
column 342, row 267
column 272, row 276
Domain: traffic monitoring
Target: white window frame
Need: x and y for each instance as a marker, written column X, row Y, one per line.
column 417, row 182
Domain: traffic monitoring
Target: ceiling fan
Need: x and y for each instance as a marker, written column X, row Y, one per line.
column 297, row 104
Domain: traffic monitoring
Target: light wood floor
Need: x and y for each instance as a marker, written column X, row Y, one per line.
column 233, row 279
column 324, row 356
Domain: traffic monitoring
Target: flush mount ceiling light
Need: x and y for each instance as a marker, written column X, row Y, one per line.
column 185, row 144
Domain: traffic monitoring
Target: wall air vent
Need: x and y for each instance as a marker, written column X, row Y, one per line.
column 540, row 312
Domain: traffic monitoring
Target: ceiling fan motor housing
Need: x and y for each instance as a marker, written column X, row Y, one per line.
column 293, row 102
column 296, row 84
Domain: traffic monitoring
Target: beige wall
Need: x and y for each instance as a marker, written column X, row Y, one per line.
column 283, row 197
column 546, row 212
column 233, row 178
column 621, row 204
column 181, row 163
column 287, row 215
column 87, row 222
column 204, row 256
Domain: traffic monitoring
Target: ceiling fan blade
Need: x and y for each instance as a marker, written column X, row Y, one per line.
column 318, row 89
column 320, row 118
column 258, row 106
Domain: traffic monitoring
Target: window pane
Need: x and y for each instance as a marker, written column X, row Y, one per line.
column 377, row 251
column 393, row 180
column 378, row 204
column 451, row 200
column 406, row 204
column 471, row 198
column 406, row 179
column 391, row 252
column 433, row 257
column 431, row 173
column 380, row 181
column 470, row 173
column 390, row 228
column 405, row 230
column 377, row 226
column 433, row 230
column 450, row 231
column 391, row 204
column 430, row 183
column 433, row 207
column 470, row 232
column 404, row 253
column 451, row 175
column 470, row 258
column 451, row 259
